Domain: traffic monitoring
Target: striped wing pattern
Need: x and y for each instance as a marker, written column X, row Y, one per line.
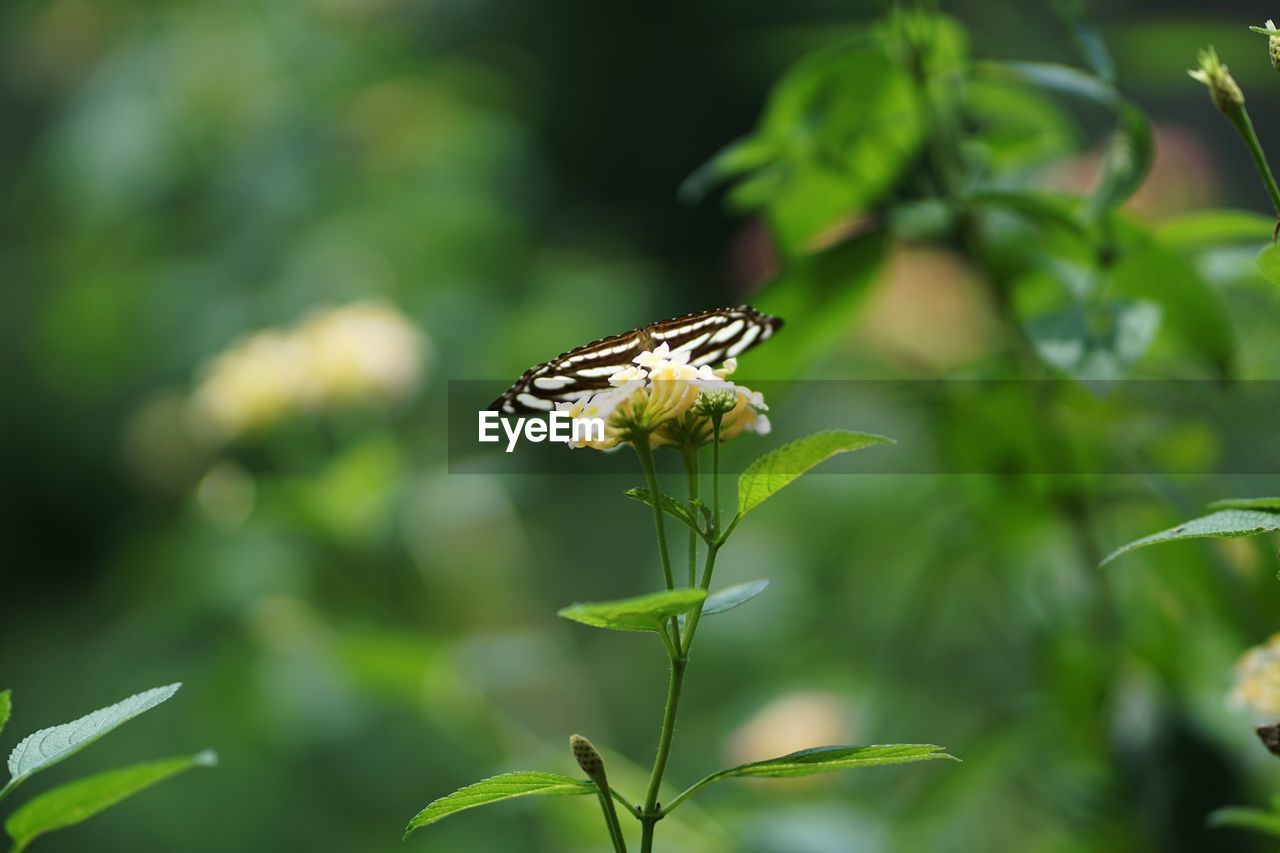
column 709, row 337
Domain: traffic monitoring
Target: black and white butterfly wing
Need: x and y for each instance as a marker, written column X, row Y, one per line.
column 571, row 375
column 709, row 337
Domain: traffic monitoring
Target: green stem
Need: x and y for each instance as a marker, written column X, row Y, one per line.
column 650, row 813
column 716, row 418
column 645, row 452
column 611, row 820
column 690, row 453
column 1239, row 118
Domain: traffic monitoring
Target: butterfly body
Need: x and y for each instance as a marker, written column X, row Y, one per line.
column 709, row 337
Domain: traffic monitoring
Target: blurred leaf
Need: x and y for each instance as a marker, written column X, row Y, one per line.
column 75, row 802
column 1040, row 208
column 1210, row 227
column 777, row 468
column 506, row 786
column 1224, row 524
column 820, row 156
column 1242, row 817
column 46, row 747
column 670, row 505
column 1126, row 161
column 736, row 158
column 732, row 596
column 1099, row 342
column 1015, row 127
column 825, row 759
column 1160, row 274
column 1263, row 504
column 1087, row 38
column 641, row 613
column 1269, row 263
column 6, row 707
column 820, row 294
column 1062, row 79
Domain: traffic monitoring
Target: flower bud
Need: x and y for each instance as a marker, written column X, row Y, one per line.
column 1226, row 94
column 589, row 759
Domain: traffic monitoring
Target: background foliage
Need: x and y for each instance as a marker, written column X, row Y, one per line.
column 360, row 632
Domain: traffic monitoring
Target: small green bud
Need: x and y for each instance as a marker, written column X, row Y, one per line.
column 1273, row 41
column 589, row 759
column 719, row 402
column 1226, row 94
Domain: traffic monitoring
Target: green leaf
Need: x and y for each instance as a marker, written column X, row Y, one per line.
column 48, row 746
column 1263, row 504
column 1126, row 161
column 1062, row 79
column 670, row 506
column 779, row 467
column 1269, row 263
column 6, row 707
column 1160, row 274
column 1242, row 817
column 75, row 802
column 642, row 613
column 1212, row 227
column 1224, row 524
column 731, row 596
column 523, row 783
column 824, row 759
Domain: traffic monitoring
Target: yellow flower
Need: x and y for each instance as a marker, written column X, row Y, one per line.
column 365, row 352
column 1258, row 678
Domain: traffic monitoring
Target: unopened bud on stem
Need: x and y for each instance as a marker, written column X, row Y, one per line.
column 589, row 759
column 1226, row 94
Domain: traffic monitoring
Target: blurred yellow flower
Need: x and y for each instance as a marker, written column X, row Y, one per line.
column 660, row 395
column 1258, row 678
column 364, row 352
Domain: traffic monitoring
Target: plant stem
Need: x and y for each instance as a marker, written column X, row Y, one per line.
column 645, row 452
column 611, row 820
column 650, row 813
column 716, row 418
column 690, row 453
column 1239, row 118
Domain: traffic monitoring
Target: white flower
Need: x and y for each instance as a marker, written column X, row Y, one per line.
column 664, row 397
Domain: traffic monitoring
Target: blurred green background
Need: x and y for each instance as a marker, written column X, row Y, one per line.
column 454, row 190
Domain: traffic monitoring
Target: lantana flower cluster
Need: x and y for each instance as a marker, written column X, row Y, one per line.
column 360, row 353
column 672, row 402
column 1258, row 678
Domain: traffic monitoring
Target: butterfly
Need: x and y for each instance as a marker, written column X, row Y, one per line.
column 708, row 336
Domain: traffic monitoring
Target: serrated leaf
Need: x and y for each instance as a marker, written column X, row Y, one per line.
column 1242, row 817
column 523, row 783
column 824, row 759
column 46, row 747
column 670, row 505
column 732, row 596
column 80, row 800
column 776, row 469
column 1262, row 504
column 6, row 707
column 642, row 613
column 1224, row 524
